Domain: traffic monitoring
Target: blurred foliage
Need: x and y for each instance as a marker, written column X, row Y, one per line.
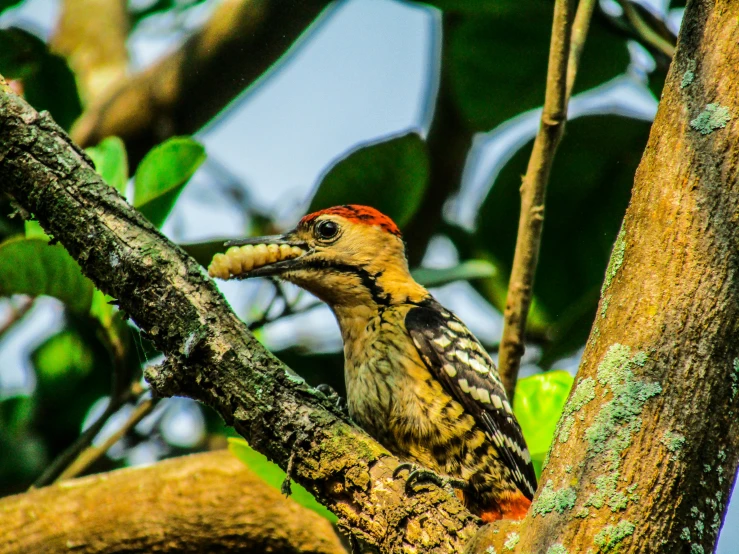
column 495, row 57
column 538, row 403
column 498, row 62
column 156, row 7
column 275, row 477
column 391, row 175
column 586, row 200
column 47, row 81
column 32, row 266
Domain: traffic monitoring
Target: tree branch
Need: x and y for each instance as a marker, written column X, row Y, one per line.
column 182, row 92
column 211, row 356
column 533, row 192
column 202, row 503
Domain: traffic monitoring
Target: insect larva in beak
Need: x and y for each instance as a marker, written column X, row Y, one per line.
column 241, row 259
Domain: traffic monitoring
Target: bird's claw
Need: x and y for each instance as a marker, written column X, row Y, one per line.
column 333, row 396
column 418, row 475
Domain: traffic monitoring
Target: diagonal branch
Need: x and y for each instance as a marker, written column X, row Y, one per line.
column 211, row 356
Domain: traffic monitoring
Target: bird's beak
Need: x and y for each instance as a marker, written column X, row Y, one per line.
column 258, row 256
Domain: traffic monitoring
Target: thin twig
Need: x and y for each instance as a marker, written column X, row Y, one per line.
column 533, row 190
column 645, row 32
column 580, row 29
column 120, row 394
column 92, row 453
column 70, row 454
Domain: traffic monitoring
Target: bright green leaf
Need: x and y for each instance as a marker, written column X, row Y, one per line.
column 466, row 271
column 538, row 404
column 163, row 174
column 63, row 356
column 34, row 230
column 32, row 266
column 391, row 176
column 274, row 476
column 111, row 162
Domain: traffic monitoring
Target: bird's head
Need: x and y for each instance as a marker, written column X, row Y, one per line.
column 346, row 255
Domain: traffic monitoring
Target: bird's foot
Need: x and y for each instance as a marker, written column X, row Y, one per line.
column 333, row 397
column 418, row 475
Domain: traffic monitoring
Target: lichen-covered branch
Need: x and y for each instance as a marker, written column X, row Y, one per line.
column 533, row 191
column 202, row 503
column 211, row 356
column 183, row 91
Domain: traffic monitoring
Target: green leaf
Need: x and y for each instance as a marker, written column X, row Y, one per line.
column 62, row 357
column 111, row 162
column 538, row 404
column 589, row 189
column 391, row 176
column 48, row 83
column 163, row 174
column 272, row 475
column 32, row 266
column 466, row 271
column 34, row 230
column 7, row 4
column 498, row 61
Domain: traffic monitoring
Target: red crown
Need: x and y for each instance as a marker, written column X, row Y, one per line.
column 358, row 214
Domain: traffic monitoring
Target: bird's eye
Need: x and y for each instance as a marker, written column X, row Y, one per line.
column 326, row 229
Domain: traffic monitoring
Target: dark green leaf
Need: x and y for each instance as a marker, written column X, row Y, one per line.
column 498, row 63
column 111, row 162
column 274, row 476
column 32, row 266
column 391, row 176
column 162, row 175
column 6, row 4
column 48, row 83
column 466, row 271
column 586, row 200
column 538, row 404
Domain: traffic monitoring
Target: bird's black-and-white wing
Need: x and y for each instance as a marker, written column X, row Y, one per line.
column 456, row 358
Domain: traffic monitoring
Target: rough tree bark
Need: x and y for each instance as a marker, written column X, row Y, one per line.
column 202, row 503
column 646, row 452
column 211, row 356
column 183, row 91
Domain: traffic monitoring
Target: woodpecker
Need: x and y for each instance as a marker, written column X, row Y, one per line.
column 417, row 380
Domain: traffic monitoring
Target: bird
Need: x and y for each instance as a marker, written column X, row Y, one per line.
column 417, row 380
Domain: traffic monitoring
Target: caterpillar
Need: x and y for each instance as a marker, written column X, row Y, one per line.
column 238, row 260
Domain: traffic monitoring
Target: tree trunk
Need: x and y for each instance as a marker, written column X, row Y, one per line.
column 646, row 452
